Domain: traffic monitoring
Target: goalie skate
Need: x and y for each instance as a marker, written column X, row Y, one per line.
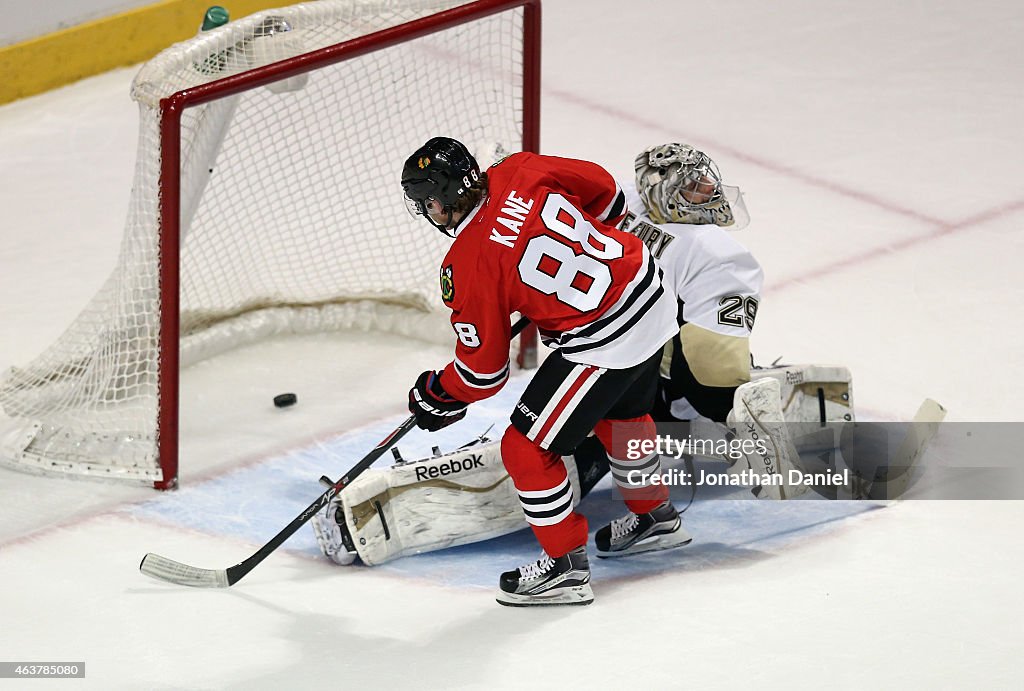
column 634, row 534
column 547, row 581
column 332, row 534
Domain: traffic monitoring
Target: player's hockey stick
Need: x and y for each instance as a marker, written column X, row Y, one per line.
column 172, row 571
column 175, row 572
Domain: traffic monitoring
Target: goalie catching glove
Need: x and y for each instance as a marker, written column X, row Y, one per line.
column 433, row 408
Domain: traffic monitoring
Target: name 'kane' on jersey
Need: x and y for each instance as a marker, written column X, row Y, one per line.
column 542, row 242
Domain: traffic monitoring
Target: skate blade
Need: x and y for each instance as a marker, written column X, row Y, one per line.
column 574, row 596
column 655, row 543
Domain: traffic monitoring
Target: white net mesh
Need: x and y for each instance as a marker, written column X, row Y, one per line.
column 291, row 215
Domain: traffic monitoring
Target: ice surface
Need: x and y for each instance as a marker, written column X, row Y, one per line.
column 879, row 148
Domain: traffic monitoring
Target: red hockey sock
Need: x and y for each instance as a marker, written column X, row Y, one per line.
column 623, row 441
column 545, row 494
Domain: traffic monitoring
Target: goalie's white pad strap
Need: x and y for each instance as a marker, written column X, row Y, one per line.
column 456, row 499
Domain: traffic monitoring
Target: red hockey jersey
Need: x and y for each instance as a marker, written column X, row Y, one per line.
column 542, row 243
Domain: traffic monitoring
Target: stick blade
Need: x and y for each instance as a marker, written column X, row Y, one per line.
column 171, row 571
column 930, row 412
column 923, row 428
column 920, row 433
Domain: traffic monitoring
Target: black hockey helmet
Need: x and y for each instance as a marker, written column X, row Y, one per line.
column 442, row 170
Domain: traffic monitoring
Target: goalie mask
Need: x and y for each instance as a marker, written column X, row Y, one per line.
column 442, row 171
column 679, row 184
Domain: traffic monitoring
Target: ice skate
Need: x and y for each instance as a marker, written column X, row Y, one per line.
column 637, row 533
column 547, row 581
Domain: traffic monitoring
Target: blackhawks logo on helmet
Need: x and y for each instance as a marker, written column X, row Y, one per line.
column 447, row 284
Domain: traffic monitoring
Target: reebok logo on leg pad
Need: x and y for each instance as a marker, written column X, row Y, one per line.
column 452, row 467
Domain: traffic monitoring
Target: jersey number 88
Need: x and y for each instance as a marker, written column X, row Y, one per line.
column 554, row 268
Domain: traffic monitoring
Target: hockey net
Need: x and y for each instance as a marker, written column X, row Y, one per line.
column 265, row 202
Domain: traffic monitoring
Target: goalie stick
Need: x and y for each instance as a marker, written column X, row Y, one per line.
column 920, row 432
column 172, row 571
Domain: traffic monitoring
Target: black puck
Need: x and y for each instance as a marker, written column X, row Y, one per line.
column 283, row 400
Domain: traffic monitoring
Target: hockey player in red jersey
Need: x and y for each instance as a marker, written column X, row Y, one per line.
column 535, row 235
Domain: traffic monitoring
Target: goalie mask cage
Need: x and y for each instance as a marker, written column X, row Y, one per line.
column 266, row 201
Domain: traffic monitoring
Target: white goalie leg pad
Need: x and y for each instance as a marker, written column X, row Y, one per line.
column 817, row 400
column 812, row 393
column 455, row 499
column 761, row 425
column 707, row 438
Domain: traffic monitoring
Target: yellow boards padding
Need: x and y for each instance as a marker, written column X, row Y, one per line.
column 131, row 37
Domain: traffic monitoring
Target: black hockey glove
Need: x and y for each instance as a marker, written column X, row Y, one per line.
column 431, row 404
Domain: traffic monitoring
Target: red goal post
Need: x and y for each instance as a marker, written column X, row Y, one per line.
column 265, row 194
